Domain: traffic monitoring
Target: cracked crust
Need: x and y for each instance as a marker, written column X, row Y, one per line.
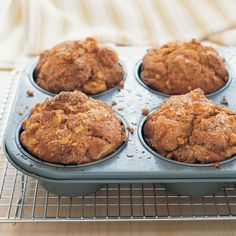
column 72, row 129
column 190, row 128
column 78, row 65
column 179, row 67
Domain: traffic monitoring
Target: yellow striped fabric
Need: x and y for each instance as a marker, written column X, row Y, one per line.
column 30, row 26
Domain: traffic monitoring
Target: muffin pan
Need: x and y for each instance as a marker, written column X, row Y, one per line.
column 135, row 162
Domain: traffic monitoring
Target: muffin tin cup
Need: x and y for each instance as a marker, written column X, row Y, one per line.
column 61, row 188
column 27, row 154
column 144, row 143
column 196, row 189
column 135, row 161
column 209, row 95
column 33, row 81
column 70, row 189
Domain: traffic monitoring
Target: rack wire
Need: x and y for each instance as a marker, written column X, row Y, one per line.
column 23, row 199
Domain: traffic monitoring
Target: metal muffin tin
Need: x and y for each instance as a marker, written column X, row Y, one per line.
column 135, row 162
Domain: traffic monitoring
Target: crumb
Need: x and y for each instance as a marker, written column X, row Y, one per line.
column 121, row 85
column 133, row 123
column 129, row 155
column 113, row 103
column 145, row 111
column 21, row 112
column 26, row 107
column 216, row 165
column 120, row 108
column 143, row 151
column 149, row 157
column 30, row 93
column 131, row 130
column 224, row 101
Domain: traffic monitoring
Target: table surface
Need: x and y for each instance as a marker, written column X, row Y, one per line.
column 216, row 228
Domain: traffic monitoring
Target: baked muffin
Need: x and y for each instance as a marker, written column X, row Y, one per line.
column 179, row 67
column 72, row 128
column 190, row 128
column 78, row 65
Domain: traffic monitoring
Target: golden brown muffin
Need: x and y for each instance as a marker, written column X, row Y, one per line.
column 78, row 65
column 179, row 67
column 190, row 128
column 72, row 129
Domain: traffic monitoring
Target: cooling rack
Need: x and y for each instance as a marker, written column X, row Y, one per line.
column 23, row 199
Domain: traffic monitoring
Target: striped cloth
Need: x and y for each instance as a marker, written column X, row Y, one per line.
column 30, row 26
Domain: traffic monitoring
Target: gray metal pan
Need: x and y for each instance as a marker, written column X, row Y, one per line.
column 135, row 162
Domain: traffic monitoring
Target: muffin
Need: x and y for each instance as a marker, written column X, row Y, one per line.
column 179, row 67
column 72, row 128
column 192, row 129
column 78, row 65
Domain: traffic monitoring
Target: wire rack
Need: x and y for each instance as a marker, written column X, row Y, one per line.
column 23, row 199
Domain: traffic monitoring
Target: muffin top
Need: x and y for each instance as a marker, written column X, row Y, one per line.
column 179, row 67
column 78, row 65
column 72, row 128
column 190, row 128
